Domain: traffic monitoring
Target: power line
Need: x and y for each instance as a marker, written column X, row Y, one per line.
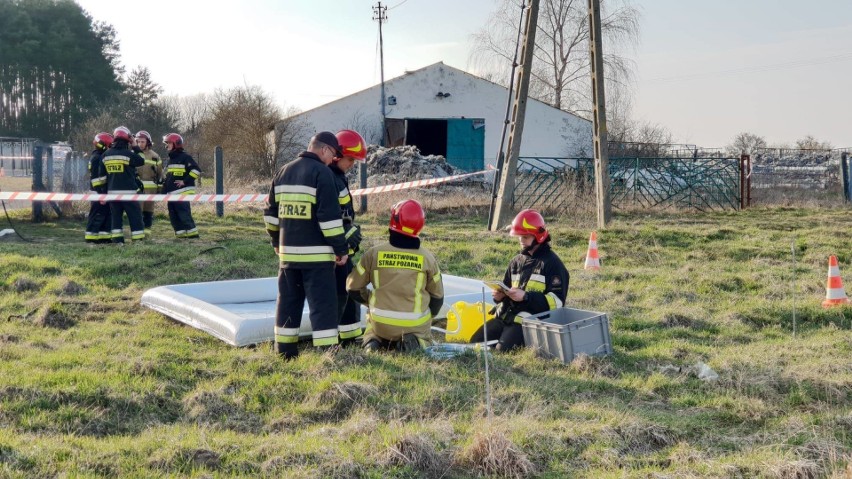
column 756, row 69
column 398, row 4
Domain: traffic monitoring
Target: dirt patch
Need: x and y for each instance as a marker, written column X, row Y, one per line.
column 217, row 410
column 71, row 288
column 339, row 400
column 795, row 470
column 676, row 320
column 23, row 285
column 187, row 460
column 594, row 366
column 418, row 452
column 493, row 454
column 53, row 317
column 9, row 338
column 645, row 438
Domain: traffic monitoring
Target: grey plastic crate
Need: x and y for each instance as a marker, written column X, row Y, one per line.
column 564, row 333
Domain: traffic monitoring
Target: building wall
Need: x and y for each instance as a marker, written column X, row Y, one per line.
column 548, row 131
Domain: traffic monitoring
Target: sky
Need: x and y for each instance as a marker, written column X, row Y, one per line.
column 706, row 71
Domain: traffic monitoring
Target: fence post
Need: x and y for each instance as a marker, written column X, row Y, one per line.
column 362, row 176
column 38, row 182
column 220, row 180
column 844, row 175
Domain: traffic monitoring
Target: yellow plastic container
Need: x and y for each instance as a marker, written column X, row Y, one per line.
column 470, row 315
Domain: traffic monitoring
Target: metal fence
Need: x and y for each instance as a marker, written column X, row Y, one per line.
column 695, row 183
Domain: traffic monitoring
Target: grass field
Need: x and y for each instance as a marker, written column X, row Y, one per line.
column 93, row 385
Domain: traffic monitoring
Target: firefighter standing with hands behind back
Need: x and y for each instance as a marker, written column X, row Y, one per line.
column 303, row 218
column 181, row 173
column 352, row 148
column 151, row 174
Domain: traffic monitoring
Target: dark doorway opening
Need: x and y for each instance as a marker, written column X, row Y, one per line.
column 430, row 136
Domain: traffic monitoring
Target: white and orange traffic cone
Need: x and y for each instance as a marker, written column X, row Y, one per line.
column 593, row 262
column 834, row 292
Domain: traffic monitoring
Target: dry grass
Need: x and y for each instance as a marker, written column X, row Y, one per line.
column 217, row 410
column 419, row 452
column 492, row 454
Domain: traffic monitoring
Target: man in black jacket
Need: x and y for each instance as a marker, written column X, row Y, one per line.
column 303, row 219
column 181, row 174
column 119, row 167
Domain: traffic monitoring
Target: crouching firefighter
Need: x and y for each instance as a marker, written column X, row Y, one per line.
column 99, row 223
column 538, row 279
column 353, row 149
column 407, row 287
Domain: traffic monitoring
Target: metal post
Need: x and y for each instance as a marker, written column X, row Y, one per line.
column 503, row 209
column 380, row 12
column 844, row 172
column 599, row 99
column 38, row 183
column 220, row 179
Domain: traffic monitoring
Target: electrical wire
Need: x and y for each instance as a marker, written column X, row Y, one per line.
column 398, row 4
column 12, row 225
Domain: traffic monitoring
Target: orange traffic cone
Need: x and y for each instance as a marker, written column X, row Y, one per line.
column 834, row 292
column 593, row 262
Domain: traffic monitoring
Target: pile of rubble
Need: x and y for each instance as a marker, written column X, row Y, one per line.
column 398, row 164
column 809, row 169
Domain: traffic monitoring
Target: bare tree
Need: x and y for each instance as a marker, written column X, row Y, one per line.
column 746, row 143
column 240, row 122
column 809, row 142
column 291, row 136
column 560, row 73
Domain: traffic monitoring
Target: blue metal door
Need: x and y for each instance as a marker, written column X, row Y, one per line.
column 466, row 143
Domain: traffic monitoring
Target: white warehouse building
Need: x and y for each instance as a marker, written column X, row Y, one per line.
column 446, row 111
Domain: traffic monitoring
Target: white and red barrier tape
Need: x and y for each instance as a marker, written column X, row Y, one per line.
column 234, row 198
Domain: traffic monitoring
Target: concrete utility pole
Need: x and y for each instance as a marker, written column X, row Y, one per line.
column 379, row 14
column 599, row 99
column 503, row 212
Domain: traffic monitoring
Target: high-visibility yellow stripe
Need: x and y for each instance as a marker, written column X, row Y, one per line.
column 286, row 339
column 303, row 197
column 418, row 295
column 376, row 279
column 350, row 334
column 360, row 268
column 325, row 341
column 405, row 323
column 305, row 258
column 345, row 200
column 333, row 232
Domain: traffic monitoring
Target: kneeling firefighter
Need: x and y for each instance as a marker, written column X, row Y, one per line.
column 407, row 287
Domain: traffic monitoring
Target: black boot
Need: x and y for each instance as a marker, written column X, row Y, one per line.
column 148, row 219
column 287, row 351
column 409, row 343
column 372, row 346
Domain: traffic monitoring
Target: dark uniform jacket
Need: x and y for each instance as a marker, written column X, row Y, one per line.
column 181, row 167
column 97, row 182
column 119, row 167
column 542, row 275
column 302, row 214
column 347, row 207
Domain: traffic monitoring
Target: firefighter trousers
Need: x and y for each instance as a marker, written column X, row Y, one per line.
column 99, row 224
column 117, row 210
column 509, row 335
column 348, row 311
column 180, row 215
column 296, row 285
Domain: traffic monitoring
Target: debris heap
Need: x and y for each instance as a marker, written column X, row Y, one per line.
column 808, row 169
column 398, row 164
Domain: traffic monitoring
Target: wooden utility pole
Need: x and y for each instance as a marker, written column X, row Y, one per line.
column 503, row 211
column 380, row 15
column 599, row 98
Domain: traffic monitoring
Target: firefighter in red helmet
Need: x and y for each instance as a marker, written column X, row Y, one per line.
column 119, row 167
column 407, row 287
column 353, row 149
column 538, row 279
column 99, row 224
column 182, row 172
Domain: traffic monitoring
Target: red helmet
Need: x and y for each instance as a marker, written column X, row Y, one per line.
column 146, row 135
column 408, row 218
column 352, row 144
column 529, row 222
column 122, row 133
column 175, row 139
column 102, row 140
